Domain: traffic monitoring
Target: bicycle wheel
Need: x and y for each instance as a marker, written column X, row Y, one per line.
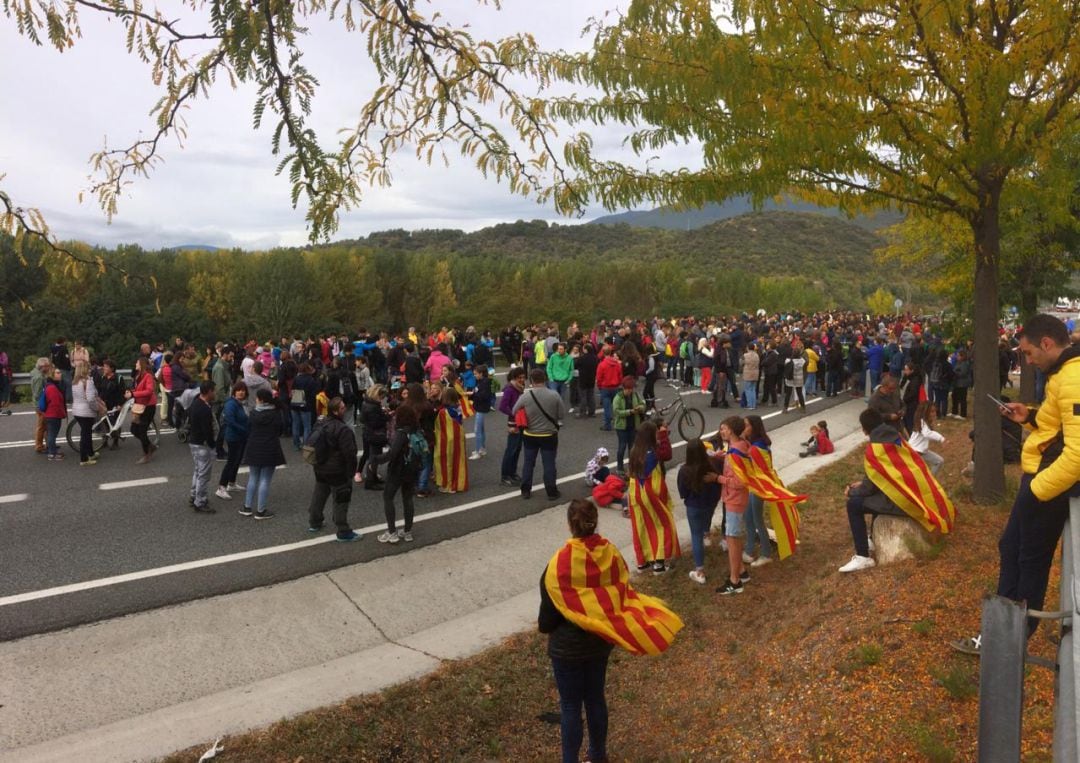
column 73, row 435
column 691, row 424
column 154, row 433
column 98, row 436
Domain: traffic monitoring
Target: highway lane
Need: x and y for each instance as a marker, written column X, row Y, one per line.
column 59, row 528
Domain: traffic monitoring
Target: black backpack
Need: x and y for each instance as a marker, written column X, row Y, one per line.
column 316, row 450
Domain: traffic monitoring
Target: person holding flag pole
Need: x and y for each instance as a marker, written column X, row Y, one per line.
column 898, row 483
column 587, row 606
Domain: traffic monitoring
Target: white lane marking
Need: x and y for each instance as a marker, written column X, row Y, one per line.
column 196, row 564
column 14, row 498
column 24, row 443
column 132, row 483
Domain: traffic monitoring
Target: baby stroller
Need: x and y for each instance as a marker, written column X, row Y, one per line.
column 180, row 412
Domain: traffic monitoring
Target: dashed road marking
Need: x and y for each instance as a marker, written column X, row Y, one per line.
column 14, row 497
column 132, row 483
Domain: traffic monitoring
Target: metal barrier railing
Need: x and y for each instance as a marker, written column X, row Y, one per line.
column 1003, row 657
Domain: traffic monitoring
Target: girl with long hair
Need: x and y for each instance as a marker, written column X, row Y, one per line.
column 656, row 543
column 736, row 497
column 700, row 490
column 757, row 534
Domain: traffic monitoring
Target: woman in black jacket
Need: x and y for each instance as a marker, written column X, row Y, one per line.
column 403, row 466
column 262, row 454
column 374, row 438
column 910, row 385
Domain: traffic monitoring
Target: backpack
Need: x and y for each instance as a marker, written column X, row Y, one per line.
column 316, row 450
column 418, row 447
column 540, row 352
column 42, row 401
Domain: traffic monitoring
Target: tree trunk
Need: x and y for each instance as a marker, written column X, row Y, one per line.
column 989, row 485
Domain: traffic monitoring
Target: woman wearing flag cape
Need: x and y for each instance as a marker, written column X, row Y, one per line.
column 451, row 464
column 586, row 606
column 656, row 543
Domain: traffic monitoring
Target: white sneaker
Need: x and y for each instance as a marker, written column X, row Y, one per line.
column 388, row 537
column 747, row 558
column 761, row 561
column 482, row 451
column 858, row 563
column 233, row 487
column 223, row 494
column 697, row 576
column 475, row 455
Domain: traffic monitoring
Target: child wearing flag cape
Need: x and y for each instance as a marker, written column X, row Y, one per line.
column 584, row 615
column 451, row 464
column 656, row 543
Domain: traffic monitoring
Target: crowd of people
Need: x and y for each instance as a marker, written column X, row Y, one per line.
column 411, row 396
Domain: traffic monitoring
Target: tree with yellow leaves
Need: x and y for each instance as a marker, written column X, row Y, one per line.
column 930, row 107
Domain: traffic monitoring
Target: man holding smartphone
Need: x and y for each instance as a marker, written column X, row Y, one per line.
column 1050, row 461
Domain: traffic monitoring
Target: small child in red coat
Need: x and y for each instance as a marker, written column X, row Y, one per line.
column 819, row 443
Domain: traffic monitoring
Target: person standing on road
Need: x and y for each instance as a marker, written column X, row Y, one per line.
column 234, row 433
column 403, row 465
column 560, row 370
column 61, row 361
column 262, row 454
column 584, row 615
column 515, row 385
column 333, row 475
column 585, row 365
column 144, row 408
column 482, row 400
column 55, row 412
column 5, row 384
column 543, row 413
column 39, row 377
column 113, row 393
column 201, row 438
column 628, row 408
column 85, row 409
column 221, row 375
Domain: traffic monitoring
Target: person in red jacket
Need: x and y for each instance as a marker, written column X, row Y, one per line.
column 145, row 394
column 55, row 412
column 608, row 380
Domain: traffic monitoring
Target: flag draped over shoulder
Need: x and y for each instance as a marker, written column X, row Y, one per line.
column 757, row 473
column 451, row 465
column 653, row 521
column 588, row 582
column 902, row 475
column 467, row 408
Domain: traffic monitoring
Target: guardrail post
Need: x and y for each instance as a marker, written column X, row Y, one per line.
column 869, row 386
column 1066, row 718
column 1001, row 679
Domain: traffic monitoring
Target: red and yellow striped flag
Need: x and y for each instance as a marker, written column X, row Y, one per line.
column 903, row 476
column 652, row 519
column 757, row 473
column 467, row 407
column 451, row 464
column 589, row 583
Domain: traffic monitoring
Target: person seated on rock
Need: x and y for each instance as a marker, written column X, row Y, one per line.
column 891, row 468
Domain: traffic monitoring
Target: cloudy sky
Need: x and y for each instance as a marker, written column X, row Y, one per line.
column 219, row 188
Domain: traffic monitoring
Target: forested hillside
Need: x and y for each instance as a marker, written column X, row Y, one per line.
column 510, row 273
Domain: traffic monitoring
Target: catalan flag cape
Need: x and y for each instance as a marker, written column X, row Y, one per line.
column 652, row 519
column 589, row 584
column 903, row 476
column 756, row 471
column 467, row 408
column 451, row 466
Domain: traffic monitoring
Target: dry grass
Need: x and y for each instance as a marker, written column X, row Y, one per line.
column 807, row 664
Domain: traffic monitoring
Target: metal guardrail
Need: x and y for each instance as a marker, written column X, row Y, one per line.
column 1004, row 656
column 23, row 380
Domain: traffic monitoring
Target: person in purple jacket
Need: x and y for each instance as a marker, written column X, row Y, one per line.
column 515, row 384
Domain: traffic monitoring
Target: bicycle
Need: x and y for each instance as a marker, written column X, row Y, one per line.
column 690, row 422
column 106, row 427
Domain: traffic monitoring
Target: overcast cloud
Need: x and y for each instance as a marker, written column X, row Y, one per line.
column 220, row 188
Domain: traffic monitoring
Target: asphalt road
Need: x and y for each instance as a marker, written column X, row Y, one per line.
column 67, row 532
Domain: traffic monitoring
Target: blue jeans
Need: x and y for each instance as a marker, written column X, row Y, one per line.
column 875, row 379
column 481, row 436
column 258, row 487
column 754, row 517
column 547, row 447
column 52, row 429
column 422, row 482
column 941, row 400
column 750, row 390
column 510, row 455
column 607, row 398
column 810, row 384
column 581, row 682
column 700, row 521
column 301, row 427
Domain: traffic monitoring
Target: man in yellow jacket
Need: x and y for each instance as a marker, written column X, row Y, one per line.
column 1050, row 461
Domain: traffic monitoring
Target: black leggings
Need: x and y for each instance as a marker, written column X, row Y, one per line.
column 798, row 393
column 406, row 483
column 370, row 451
column 142, row 428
